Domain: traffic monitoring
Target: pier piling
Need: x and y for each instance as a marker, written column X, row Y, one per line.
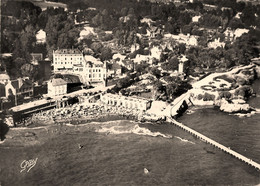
column 217, row 145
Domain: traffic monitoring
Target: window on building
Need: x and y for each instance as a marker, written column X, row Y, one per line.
column 65, row 58
column 89, row 75
column 99, row 75
column 71, row 58
column 61, row 62
column 89, row 70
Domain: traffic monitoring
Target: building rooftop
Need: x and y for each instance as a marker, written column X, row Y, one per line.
column 20, row 83
column 67, row 51
column 30, row 105
column 89, row 58
column 58, row 82
column 132, row 98
column 4, row 77
column 71, row 78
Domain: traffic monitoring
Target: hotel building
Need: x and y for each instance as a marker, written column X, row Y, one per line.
column 72, row 61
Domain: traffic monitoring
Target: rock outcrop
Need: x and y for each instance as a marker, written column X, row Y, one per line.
column 235, row 106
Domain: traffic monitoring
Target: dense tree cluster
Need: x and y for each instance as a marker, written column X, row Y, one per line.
column 61, row 32
column 175, row 87
column 22, row 20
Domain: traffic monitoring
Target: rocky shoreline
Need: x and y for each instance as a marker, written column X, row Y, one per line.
column 229, row 91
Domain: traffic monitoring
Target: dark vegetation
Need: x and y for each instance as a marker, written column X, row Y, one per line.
column 123, row 18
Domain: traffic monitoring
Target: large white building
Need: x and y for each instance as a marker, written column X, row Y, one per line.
column 91, row 70
column 64, row 59
column 72, row 61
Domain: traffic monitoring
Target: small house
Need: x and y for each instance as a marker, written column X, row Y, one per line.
column 20, row 86
column 57, row 86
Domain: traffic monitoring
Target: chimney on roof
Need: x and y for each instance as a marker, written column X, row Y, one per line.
column 20, row 82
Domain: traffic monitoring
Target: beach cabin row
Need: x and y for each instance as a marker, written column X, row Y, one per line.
column 126, row 102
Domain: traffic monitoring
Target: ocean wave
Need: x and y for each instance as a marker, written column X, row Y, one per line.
column 241, row 115
column 100, row 123
column 257, row 110
column 184, row 140
column 29, row 128
column 136, row 129
column 190, row 112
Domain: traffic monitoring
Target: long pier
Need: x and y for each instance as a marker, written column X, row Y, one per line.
column 216, row 144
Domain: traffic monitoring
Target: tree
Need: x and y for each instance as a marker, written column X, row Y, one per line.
column 248, row 16
column 173, row 63
column 240, row 6
column 96, row 47
column 158, row 86
column 184, row 18
column 15, row 70
column 182, row 48
column 156, row 72
column 158, row 89
column 43, row 19
column 207, row 60
column 171, row 89
column 235, row 23
column 60, row 32
column 210, row 21
column 106, row 54
column 171, row 27
column 186, row 29
column 29, row 70
column 141, row 68
column 25, row 43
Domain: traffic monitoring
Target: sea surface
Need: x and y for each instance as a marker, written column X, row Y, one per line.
column 130, row 153
column 242, row 134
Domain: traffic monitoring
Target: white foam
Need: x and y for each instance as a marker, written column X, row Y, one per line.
column 184, row 140
column 136, row 129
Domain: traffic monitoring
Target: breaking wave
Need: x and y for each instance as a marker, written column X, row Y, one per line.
column 241, row 115
column 136, row 129
column 184, row 140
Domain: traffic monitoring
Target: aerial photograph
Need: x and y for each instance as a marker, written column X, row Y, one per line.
column 130, row 92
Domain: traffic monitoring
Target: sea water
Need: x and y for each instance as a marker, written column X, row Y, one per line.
column 242, row 134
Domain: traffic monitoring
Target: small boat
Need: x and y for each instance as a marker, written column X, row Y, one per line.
column 146, row 171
